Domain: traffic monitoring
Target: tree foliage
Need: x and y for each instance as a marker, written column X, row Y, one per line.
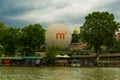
column 8, row 39
column 51, row 55
column 75, row 38
column 99, row 29
column 32, row 36
column 23, row 40
column 1, row 50
column 116, row 45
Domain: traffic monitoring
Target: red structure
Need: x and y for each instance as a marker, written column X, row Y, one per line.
column 6, row 61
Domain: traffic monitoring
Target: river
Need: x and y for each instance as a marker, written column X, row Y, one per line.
column 59, row 73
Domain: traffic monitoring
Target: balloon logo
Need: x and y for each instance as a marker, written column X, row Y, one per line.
column 58, row 35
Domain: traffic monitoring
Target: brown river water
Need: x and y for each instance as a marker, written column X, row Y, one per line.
column 59, row 73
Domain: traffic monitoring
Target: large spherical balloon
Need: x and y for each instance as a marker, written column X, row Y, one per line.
column 58, row 35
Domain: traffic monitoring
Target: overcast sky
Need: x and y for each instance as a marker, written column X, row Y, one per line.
column 19, row 13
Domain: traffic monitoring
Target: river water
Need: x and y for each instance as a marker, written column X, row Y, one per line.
column 59, row 73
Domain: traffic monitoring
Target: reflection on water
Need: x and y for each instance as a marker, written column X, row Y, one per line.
column 59, row 73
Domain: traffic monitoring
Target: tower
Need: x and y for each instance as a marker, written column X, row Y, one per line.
column 75, row 31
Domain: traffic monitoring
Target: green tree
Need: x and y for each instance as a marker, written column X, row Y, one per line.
column 51, row 55
column 116, row 45
column 75, row 38
column 99, row 29
column 2, row 29
column 9, row 40
column 32, row 37
column 1, row 50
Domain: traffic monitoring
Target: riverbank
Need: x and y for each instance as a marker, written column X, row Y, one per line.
column 75, row 60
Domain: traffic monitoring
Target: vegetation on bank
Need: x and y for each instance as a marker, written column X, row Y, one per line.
column 99, row 29
column 25, row 40
column 51, row 55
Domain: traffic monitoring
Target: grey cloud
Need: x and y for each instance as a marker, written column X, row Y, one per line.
column 19, row 7
column 13, row 23
column 14, row 12
column 8, row 8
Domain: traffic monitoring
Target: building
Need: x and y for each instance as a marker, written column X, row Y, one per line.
column 77, row 46
column 75, row 31
column 117, row 36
